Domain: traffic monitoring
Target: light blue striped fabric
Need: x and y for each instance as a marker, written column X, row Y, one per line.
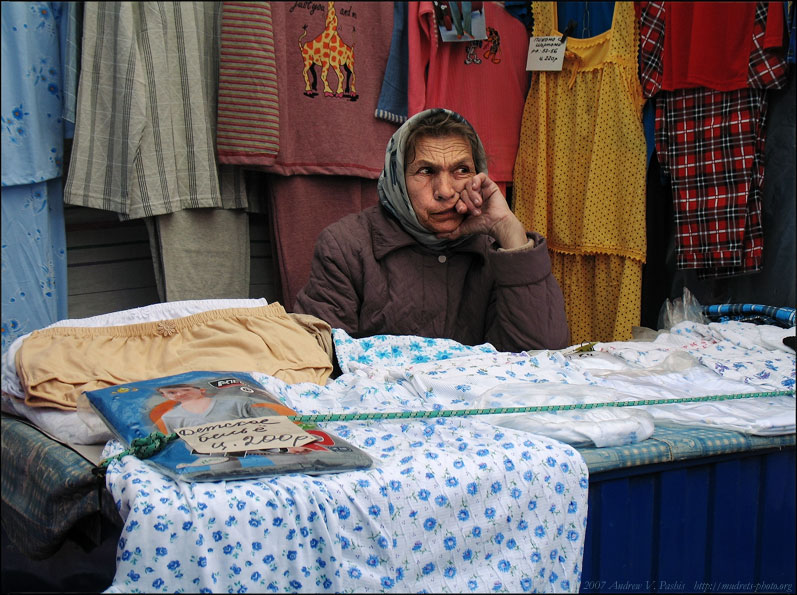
column 670, row 444
column 71, row 32
column 59, row 492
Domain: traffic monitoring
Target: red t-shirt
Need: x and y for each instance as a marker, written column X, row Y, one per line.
column 708, row 44
column 487, row 88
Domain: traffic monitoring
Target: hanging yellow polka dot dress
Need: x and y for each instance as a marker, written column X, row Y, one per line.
column 579, row 175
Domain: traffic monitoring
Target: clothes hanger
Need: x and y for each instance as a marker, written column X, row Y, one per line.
column 569, row 31
column 585, row 31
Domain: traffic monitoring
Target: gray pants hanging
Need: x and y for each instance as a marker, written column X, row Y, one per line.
column 200, row 254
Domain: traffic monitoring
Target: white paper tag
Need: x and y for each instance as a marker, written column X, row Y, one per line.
column 546, row 53
column 252, row 433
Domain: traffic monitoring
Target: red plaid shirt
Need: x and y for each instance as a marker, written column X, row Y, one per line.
column 711, row 144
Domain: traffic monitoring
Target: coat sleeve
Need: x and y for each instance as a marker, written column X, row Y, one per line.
column 527, row 309
column 333, row 292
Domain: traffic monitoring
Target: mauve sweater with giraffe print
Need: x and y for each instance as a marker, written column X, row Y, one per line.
column 330, row 64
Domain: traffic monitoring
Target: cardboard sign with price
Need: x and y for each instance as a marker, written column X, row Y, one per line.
column 546, row 53
column 253, row 433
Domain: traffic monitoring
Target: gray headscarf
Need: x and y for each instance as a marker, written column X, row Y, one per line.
column 393, row 189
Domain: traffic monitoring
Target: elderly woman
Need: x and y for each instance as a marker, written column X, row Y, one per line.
column 441, row 256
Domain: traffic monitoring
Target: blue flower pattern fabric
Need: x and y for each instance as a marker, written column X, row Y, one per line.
column 381, row 351
column 441, row 374
column 735, row 350
column 34, row 288
column 450, row 506
column 33, row 258
column 727, row 358
column 32, row 97
column 454, row 504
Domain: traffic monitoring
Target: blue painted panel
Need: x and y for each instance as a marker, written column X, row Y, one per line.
column 683, row 518
column 724, row 524
column 642, row 526
column 778, row 523
column 625, row 551
column 734, row 519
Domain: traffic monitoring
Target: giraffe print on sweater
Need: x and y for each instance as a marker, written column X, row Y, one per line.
column 327, row 50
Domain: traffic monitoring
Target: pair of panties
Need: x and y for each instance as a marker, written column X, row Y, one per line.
column 57, row 364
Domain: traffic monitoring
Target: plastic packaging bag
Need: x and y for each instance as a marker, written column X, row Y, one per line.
column 679, row 309
column 603, row 426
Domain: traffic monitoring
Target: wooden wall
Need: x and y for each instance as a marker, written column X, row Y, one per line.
column 109, row 263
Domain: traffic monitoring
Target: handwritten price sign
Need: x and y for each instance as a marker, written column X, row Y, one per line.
column 545, row 53
column 237, row 435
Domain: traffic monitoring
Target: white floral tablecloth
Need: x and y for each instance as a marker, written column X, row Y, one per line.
column 451, row 504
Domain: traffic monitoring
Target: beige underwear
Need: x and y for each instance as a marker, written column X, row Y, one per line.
column 57, row 364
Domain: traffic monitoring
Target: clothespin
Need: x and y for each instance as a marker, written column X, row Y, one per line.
column 569, row 31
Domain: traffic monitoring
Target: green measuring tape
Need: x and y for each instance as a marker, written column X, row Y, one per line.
column 146, row 447
column 531, row 409
column 142, row 448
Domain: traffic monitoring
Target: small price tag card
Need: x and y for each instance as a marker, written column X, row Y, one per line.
column 546, row 53
column 254, row 433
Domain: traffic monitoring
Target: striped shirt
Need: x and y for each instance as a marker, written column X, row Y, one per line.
column 146, row 115
column 248, row 125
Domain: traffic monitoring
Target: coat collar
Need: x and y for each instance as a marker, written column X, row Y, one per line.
column 387, row 235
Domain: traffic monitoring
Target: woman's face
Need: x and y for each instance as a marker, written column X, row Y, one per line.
column 435, row 178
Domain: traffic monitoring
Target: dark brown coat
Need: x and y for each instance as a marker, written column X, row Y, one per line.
column 369, row 277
